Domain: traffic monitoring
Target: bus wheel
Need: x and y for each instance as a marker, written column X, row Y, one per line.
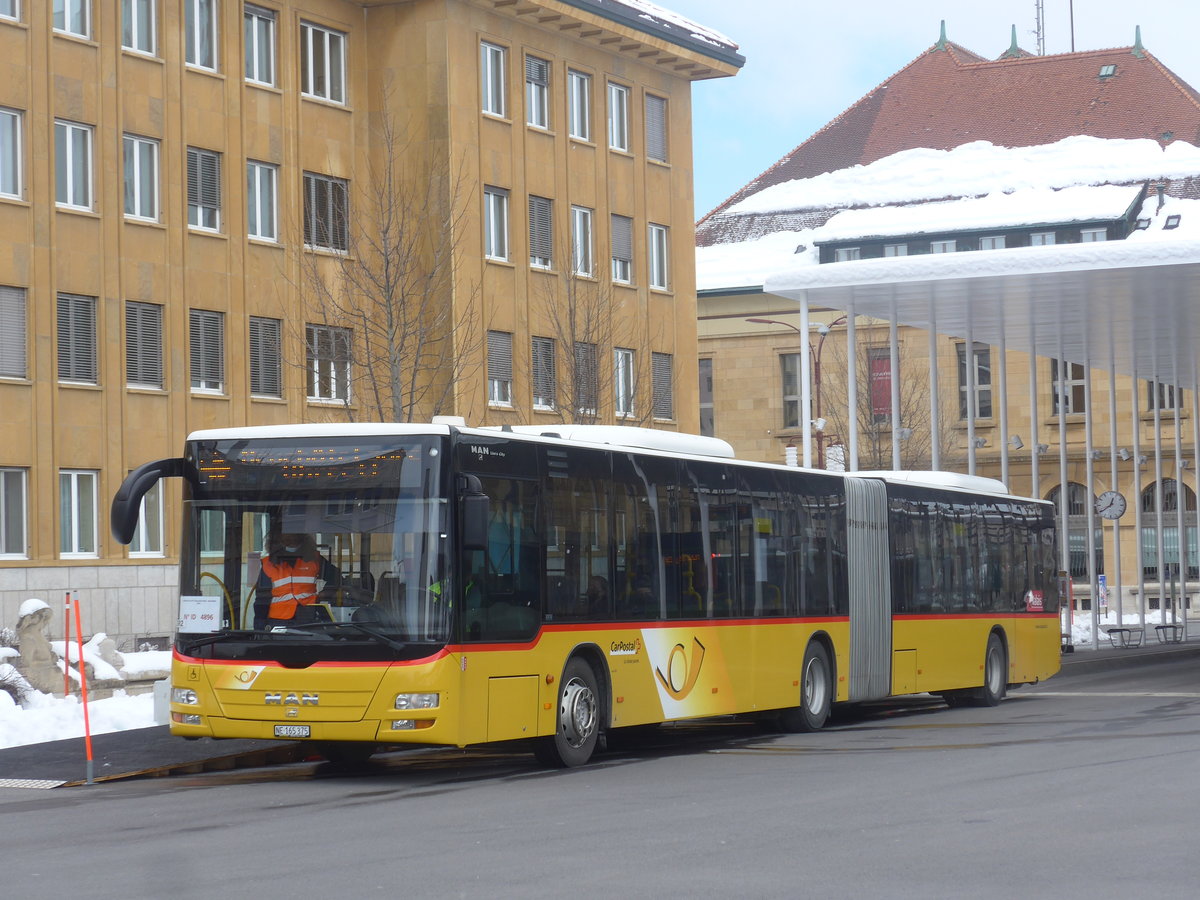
column 995, row 673
column 816, row 692
column 578, row 727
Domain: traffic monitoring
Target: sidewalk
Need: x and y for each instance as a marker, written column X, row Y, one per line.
column 1085, row 659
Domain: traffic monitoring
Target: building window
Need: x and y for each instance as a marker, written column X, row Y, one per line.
column 137, row 25
column 204, row 189
column 659, row 257
column 259, row 32
column 499, row 368
column 73, row 17
column 495, row 223
column 322, row 63
column 77, row 339
column 10, row 153
column 982, row 361
column 73, row 165
column 846, row 254
column 1092, row 235
column 1069, row 392
column 992, row 242
column 708, row 424
column 141, row 178
column 942, row 246
column 1078, row 502
column 492, row 61
column 200, row 33
column 13, row 513
column 1041, row 239
column 1162, row 399
column 13, row 331
column 895, row 249
column 1170, row 530
column 537, row 92
column 622, row 249
column 662, row 382
column 581, row 241
column 328, row 353
column 541, row 233
column 618, row 117
column 77, row 512
column 789, row 364
column 545, row 387
column 260, row 201
column 623, row 382
column 579, row 104
column 143, row 345
column 325, row 212
column 266, row 375
column 9, row 10
column 148, row 536
column 586, row 379
column 206, row 351
column 656, row 128
column 879, row 363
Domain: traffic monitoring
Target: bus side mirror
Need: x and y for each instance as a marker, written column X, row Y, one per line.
column 123, row 516
column 476, row 510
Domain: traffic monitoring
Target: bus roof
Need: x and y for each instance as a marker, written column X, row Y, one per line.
column 315, row 429
column 627, row 436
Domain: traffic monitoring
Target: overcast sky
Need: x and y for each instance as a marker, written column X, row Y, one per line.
column 808, row 60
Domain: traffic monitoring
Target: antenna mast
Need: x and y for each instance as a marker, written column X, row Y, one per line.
column 1040, row 26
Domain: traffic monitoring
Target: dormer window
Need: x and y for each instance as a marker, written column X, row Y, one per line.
column 1108, row 71
column 1172, row 222
column 992, row 242
column 942, row 246
column 846, row 254
column 1142, row 224
column 1092, row 235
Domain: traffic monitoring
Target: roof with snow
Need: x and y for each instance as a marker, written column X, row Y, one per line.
column 656, row 21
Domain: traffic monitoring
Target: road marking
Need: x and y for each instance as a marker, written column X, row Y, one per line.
column 36, row 783
column 1193, row 696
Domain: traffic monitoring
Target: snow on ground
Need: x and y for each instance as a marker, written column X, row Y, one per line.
column 46, row 718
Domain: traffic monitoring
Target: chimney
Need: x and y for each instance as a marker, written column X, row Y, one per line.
column 1162, row 189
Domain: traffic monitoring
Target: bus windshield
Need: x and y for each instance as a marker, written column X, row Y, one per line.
column 336, row 545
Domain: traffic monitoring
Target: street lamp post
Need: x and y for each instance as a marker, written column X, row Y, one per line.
column 816, row 373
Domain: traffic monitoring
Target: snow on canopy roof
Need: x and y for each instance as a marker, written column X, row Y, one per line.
column 668, row 19
column 937, row 478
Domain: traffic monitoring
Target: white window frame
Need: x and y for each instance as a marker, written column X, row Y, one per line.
column 1165, row 398
column 75, row 329
column 325, row 81
column 139, row 26
column 582, row 253
column 258, row 32
column 537, row 92
column 200, row 19
column 14, row 332
column 77, row 507
column 1042, row 238
column 327, row 353
column 622, row 265
column 495, row 223
column 206, row 351
column 10, row 10
column 618, row 117
column 143, row 345
column 983, row 391
column 895, row 249
column 1072, row 391
column 1092, row 235
column 148, row 533
column 326, row 220
column 993, row 242
column 949, row 246
column 204, row 194
column 14, row 513
column 545, row 381
column 579, row 105
column 72, row 175
column 141, row 178
column 493, row 62
column 541, row 232
column 11, row 175
column 656, row 127
column 659, row 254
column 847, row 254
column 499, row 368
column 266, row 359
column 624, row 388
column 75, row 18
column 262, row 203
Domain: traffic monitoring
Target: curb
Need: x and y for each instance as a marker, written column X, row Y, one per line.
column 1088, row 661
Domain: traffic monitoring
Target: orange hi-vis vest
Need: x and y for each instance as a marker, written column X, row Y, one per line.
column 293, row 583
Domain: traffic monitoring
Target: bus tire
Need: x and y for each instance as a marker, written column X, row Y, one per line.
column 816, row 692
column 577, row 725
column 995, row 673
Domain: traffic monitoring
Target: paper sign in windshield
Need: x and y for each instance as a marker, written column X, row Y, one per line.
column 199, row 615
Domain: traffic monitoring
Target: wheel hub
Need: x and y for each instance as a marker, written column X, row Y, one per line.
column 577, row 712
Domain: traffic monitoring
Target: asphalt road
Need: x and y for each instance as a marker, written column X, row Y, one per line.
column 1085, row 786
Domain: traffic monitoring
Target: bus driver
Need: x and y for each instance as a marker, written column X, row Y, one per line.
column 287, row 592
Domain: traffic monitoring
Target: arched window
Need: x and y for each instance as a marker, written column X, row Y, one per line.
column 1077, row 507
column 1170, row 531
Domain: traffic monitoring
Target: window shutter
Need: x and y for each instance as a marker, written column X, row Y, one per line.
column 500, row 355
column 13, row 332
column 337, row 214
column 586, row 376
column 622, row 238
column 207, row 350
column 656, row 128
column 143, row 344
column 660, row 374
column 210, row 180
column 544, row 387
column 76, row 338
column 537, row 71
column 265, row 376
column 193, row 176
column 541, row 243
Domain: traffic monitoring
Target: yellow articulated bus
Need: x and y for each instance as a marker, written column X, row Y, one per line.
column 366, row 585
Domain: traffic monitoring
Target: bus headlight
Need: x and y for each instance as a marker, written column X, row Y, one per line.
column 185, row 696
column 416, row 701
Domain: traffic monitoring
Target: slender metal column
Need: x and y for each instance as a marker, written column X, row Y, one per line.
column 1090, row 518
column 1002, row 351
column 894, row 365
column 852, row 386
column 969, row 364
column 806, row 432
column 1136, row 499
column 1112, row 479
column 1180, row 467
column 1035, row 489
column 935, row 415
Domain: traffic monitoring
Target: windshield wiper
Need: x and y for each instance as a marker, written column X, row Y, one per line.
column 373, row 633
column 214, row 638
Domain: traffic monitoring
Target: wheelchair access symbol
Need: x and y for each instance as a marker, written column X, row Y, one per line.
column 682, row 673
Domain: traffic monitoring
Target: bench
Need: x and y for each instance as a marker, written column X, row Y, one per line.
column 1126, row 637
column 1169, row 634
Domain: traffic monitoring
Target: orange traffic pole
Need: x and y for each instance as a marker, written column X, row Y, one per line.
column 67, row 646
column 87, row 724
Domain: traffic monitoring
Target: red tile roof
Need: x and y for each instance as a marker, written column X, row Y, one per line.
column 949, row 96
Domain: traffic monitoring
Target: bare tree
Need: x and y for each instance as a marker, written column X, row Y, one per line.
column 396, row 321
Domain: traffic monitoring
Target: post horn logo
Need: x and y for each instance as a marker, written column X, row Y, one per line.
column 681, row 674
